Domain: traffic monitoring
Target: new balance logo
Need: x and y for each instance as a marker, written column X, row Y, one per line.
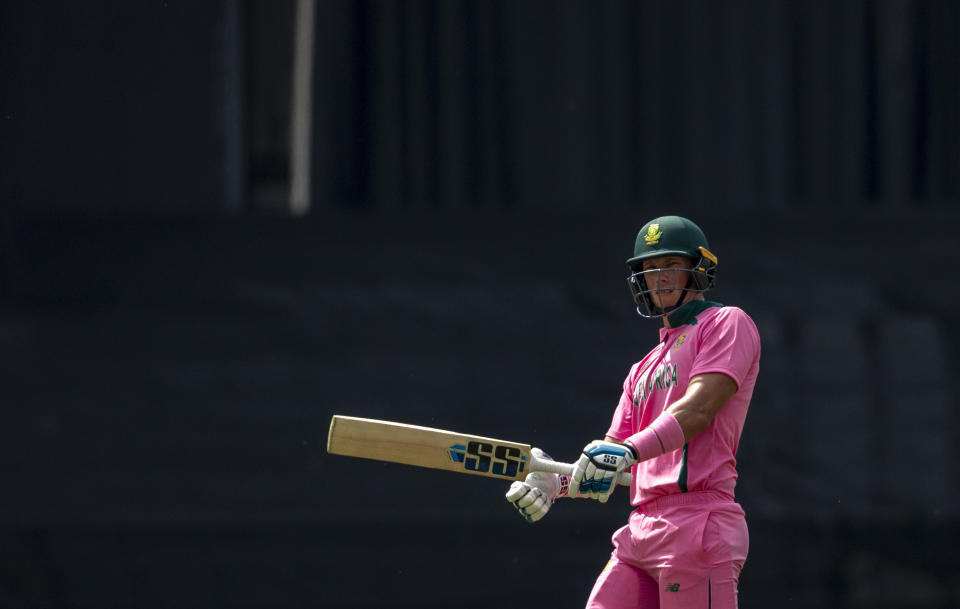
column 673, row 587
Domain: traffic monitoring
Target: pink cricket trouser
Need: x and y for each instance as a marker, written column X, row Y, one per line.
column 682, row 551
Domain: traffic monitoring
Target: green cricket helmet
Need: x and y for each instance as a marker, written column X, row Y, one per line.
column 669, row 236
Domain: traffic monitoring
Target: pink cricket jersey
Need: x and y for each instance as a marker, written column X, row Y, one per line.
column 717, row 339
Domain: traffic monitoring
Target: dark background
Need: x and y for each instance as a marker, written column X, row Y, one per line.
column 174, row 341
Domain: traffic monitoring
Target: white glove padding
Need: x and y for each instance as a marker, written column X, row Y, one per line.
column 595, row 473
column 534, row 496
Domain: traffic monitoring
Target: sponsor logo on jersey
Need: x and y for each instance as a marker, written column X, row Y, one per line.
column 653, row 234
column 485, row 457
column 664, row 377
column 672, row 588
column 679, row 342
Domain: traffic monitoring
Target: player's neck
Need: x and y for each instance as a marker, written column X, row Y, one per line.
column 687, row 298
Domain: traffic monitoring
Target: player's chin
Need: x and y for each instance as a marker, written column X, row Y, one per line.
column 665, row 300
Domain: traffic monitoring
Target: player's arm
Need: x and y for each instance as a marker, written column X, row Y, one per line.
column 682, row 420
column 705, row 396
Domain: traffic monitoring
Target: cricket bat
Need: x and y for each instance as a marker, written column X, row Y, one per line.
column 439, row 449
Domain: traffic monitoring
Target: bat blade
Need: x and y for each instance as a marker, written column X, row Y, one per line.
column 439, row 449
column 428, row 447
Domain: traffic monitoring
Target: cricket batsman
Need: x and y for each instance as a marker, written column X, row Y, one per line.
column 677, row 428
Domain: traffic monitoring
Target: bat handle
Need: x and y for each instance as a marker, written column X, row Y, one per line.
column 566, row 469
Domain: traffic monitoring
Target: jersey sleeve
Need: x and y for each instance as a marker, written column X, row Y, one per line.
column 621, row 427
column 729, row 344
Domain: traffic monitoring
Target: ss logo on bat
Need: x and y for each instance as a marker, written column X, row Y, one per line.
column 484, row 457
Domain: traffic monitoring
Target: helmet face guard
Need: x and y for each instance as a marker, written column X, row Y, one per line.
column 702, row 276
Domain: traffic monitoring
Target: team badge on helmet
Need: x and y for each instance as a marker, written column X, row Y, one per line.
column 653, row 234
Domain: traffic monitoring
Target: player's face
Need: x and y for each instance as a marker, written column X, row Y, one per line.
column 667, row 284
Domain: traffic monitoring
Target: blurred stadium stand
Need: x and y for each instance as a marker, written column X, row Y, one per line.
column 174, row 343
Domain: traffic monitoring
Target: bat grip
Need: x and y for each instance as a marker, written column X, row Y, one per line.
column 566, row 469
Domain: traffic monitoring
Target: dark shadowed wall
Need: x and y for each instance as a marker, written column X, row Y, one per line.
column 173, row 344
column 562, row 105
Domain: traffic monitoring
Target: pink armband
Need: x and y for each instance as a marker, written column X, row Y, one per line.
column 662, row 436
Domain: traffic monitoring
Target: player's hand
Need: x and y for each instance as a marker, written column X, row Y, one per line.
column 534, row 496
column 595, row 473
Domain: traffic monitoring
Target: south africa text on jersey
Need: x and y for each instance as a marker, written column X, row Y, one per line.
column 664, row 377
column 483, row 457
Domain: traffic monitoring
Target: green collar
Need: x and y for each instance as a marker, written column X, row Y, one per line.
column 687, row 314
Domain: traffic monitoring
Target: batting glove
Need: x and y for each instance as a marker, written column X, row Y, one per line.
column 595, row 473
column 534, row 496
